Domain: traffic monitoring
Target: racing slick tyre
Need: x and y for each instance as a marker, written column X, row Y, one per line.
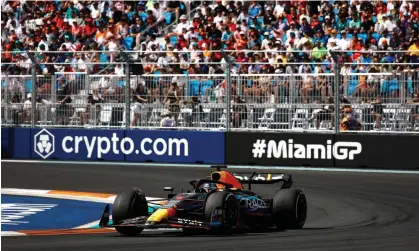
column 289, row 209
column 127, row 205
column 224, row 207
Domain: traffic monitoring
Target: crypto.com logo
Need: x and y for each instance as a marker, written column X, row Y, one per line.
column 44, row 143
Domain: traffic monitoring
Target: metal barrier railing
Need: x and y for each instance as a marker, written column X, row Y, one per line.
column 212, row 116
column 381, row 101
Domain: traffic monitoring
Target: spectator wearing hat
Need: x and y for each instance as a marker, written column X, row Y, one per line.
column 344, row 42
column 266, row 40
column 328, row 24
column 269, row 17
column 333, row 40
column 181, row 26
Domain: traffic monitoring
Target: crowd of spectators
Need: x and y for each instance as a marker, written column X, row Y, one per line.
column 260, row 36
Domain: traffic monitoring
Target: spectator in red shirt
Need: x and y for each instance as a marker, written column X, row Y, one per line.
column 204, row 40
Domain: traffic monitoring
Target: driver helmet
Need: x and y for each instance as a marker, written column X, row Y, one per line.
column 209, row 187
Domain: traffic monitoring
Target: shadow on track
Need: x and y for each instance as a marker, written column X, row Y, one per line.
column 204, row 233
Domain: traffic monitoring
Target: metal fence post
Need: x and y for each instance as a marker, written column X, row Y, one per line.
column 228, row 91
column 127, row 95
column 33, row 93
column 336, row 91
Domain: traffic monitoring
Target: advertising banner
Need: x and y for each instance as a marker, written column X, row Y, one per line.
column 176, row 146
column 6, row 142
column 383, row 151
column 121, row 145
column 21, row 143
column 280, row 149
column 67, row 144
column 323, row 150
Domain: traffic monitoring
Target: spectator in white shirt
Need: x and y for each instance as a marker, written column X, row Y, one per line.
column 390, row 24
column 332, row 39
column 152, row 42
column 266, row 40
column 11, row 20
column 385, row 38
column 182, row 25
column 94, row 10
column 157, row 11
column 167, row 120
column 67, row 42
column 119, row 70
column 44, row 42
column 218, row 18
column 13, row 25
column 380, row 26
column 279, row 9
column 303, row 15
column 6, row 8
column 305, row 39
column 344, row 43
column 30, row 23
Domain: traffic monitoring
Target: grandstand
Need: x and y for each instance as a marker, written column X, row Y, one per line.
column 87, row 62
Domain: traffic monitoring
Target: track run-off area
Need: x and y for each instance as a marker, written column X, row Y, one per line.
column 346, row 210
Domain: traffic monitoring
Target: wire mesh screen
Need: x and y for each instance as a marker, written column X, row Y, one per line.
column 299, row 98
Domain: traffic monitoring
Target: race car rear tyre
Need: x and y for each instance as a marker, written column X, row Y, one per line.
column 289, row 209
column 127, row 205
column 229, row 206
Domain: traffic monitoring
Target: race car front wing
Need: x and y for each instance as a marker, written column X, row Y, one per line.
column 141, row 222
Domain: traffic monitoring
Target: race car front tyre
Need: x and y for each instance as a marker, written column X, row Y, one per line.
column 222, row 210
column 128, row 205
column 289, row 209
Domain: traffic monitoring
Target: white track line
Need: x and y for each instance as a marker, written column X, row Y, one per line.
column 11, row 233
column 44, row 193
column 315, row 169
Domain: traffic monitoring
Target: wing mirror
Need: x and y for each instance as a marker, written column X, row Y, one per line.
column 170, row 190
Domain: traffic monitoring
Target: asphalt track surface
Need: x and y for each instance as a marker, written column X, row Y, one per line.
column 347, row 211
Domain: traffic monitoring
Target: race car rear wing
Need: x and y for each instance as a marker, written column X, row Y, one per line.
column 260, row 178
column 264, row 178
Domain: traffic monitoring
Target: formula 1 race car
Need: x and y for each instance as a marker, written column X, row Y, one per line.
column 217, row 203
